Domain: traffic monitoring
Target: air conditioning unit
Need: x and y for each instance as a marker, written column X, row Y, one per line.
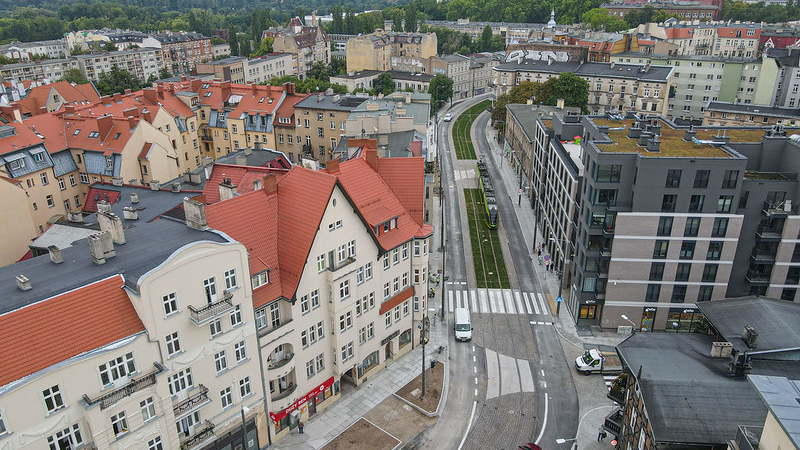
column 750, row 336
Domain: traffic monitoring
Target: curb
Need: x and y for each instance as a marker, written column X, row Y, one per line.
column 442, row 396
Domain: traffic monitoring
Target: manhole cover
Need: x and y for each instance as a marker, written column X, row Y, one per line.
column 511, row 411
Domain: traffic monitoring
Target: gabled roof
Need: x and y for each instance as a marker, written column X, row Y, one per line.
column 37, row 98
column 61, row 327
column 22, row 137
column 243, row 177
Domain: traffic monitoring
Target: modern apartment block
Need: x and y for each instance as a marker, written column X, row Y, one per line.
column 22, row 51
column 140, row 62
column 51, row 69
column 264, row 68
column 670, row 216
column 612, row 87
column 737, row 114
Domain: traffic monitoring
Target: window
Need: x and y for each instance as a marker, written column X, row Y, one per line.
column 261, row 318
column 692, row 226
column 724, row 203
column 43, row 176
column 405, row 279
column 119, row 423
column 731, row 177
column 50, row 202
column 180, row 381
column 117, row 369
column 304, row 338
column 320, row 362
column 387, row 291
column 210, row 287
column 704, row 294
column 743, row 199
column 310, row 368
column 65, row 439
column 61, row 184
column 155, row 444
column 52, row 399
column 668, row 202
column 788, row 294
column 656, row 271
column 345, row 321
column 244, row 387
column 347, row 351
column 170, row 303
column 148, row 409
column 385, row 261
column 84, row 178
column 665, row 226
column 395, row 256
column 678, row 293
column 225, row 397
column 77, row 201
column 368, row 270
column 240, row 351
column 714, row 250
column 395, row 285
column 315, row 299
column 230, row 279
column 687, row 250
column 653, row 291
column 608, row 173
column 673, row 178
column 304, row 308
column 275, row 315
column 396, row 313
column 696, row 203
column 236, row 316
column 72, row 180
column 344, row 289
column 215, row 327
column 173, row 344
column 320, row 263
column 220, row 361
column 683, row 271
column 720, row 227
column 388, row 318
column 405, row 251
column 360, row 275
column 660, row 250
column 710, row 273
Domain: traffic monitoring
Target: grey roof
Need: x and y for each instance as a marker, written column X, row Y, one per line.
column 390, row 104
column 398, row 142
column 741, row 108
column 228, row 60
column 689, row 397
column 151, row 203
column 409, row 76
column 590, row 69
column 258, row 158
column 454, row 58
column 26, row 158
column 148, row 245
column 97, row 164
column 664, row 56
column 345, row 102
column 63, row 235
column 776, row 321
column 63, row 163
column 359, row 74
column 782, row 397
column 528, row 115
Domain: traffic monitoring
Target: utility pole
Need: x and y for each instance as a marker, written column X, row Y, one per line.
column 424, row 341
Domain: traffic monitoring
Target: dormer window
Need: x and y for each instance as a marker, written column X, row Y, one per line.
column 260, row 279
column 207, row 94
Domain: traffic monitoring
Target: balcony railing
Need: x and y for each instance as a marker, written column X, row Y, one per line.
column 769, row 233
column 284, row 393
column 747, row 438
column 272, row 365
column 190, row 403
column 203, row 315
column 136, row 384
column 778, row 209
column 200, row 436
column 763, row 257
column 268, row 330
column 756, row 277
column 613, row 422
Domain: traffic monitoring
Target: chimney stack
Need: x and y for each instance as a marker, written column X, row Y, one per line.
column 74, row 216
column 55, row 254
column 372, row 157
column 689, row 135
column 103, row 206
column 117, row 181
column 101, row 247
column 241, row 160
column 333, row 166
column 270, row 184
column 248, row 151
column 195, row 213
column 113, row 224
column 154, row 185
column 187, row 177
column 23, row 283
column 654, row 145
column 134, row 197
column 227, row 190
column 176, row 186
column 130, row 213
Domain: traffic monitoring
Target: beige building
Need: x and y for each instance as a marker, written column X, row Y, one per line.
column 457, row 68
column 141, row 62
column 320, row 123
column 738, row 114
column 264, row 68
column 400, row 111
column 384, row 51
column 365, row 79
column 18, row 227
column 309, row 45
column 230, row 69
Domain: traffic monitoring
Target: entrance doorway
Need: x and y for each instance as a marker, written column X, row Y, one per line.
column 388, row 351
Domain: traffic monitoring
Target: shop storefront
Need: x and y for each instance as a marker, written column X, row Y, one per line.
column 368, row 363
column 648, row 319
column 306, row 406
column 405, row 338
column 686, row 320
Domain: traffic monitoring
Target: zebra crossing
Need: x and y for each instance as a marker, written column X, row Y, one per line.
column 497, row 301
column 464, row 174
column 507, row 375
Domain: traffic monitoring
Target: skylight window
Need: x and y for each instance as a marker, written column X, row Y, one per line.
column 94, row 134
column 77, row 131
column 207, row 94
column 116, row 136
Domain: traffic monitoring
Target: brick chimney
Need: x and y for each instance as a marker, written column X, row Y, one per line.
column 333, row 166
column 371, row 155
column 132, row 121
column 227, row 190
column 225, row 89
column 289, row 87
column 104, row 125
column 270, row 184
column 195, row 213
column 150, row 95
column 195, row 84
column 130, row 112
column 101, row 247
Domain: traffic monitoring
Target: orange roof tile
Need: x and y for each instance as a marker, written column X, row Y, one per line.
column 22, row 138
column 64, row 326
column 37, row 98
column 406, row 178
column 679, row 33
column 243, row 177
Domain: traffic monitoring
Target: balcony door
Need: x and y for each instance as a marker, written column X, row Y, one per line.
column 188, row 425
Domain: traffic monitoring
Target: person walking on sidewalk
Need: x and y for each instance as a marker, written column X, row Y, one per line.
column 300, row 426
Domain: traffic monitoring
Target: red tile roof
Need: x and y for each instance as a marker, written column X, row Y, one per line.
column 97, row 193
column 243, row 177
column 37, row 98
column 405, row 294
column 22, row 138
column 679, row 33
column 406, row 178
column 64, row 326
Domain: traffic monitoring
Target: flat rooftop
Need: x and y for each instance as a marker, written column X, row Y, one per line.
column 672, row 143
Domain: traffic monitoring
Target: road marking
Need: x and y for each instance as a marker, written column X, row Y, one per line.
column 476, row 392
column 450, row 301
column 509, row 301
column 525, row 375
column 544, row 422
column 542, row 372
column 493, row 301
column 509, row 377
column 484, row 302
column 527, row 299
column 475, row 369
column 472, row 416
column 473, row 348
column 544, row 303
column 535, row 305
column 518, row 298
column 474, row 300
column 476, row 380
column 474, row 358
column 544, row 384
column 492, row 375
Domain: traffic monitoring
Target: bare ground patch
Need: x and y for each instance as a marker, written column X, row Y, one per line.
column 434, row 381
column 362, row 435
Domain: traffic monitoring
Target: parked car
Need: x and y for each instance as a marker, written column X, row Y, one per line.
column 448, row 117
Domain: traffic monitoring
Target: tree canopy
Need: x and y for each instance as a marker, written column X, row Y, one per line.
column 573, row 89
column 441, row 90
column 117, row 80
column 384, row 84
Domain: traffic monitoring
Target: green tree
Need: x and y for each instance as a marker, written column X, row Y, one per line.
column 338, row 66
column 573, row 89
column 109, row 47
column 74, row 76
column 244, row 47
column 351, row 22
column 384, row 84
column 233, row 41
column 265, row 47
column 397, row 21
column 441, row 90
column 116, row 81
column 319, row 71
column 411, row 18
column 601, row 19
column 485, row 41
column 164, row 73
column 337, row 26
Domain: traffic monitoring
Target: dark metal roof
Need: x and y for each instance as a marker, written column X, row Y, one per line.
column 741, row 108
column 782, row 397
column 591, row 69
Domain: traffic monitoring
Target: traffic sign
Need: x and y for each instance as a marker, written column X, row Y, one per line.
column 614, row 442
column 558, row 299
column 546, row 262
column 547, row 257
column 521, row 191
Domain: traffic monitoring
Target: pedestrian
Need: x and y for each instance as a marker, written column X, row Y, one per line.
column 539, row 252
column 300, row 426
column 540, row 260
column 601, row 434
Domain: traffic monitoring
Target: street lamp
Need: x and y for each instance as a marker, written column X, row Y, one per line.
column 633, row 325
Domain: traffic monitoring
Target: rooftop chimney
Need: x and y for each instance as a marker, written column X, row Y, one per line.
column 195, row 178
column 117, row 181
column 241, row 160
column 187, row 176
column 75, row 216
column 270, row 184
column 150, row 95
column 130, row 213
column 101, row 247
column 131, row 122
column 227, row 190
column 643, row 138
column 654, row 145
column 113, row 224
column 176, row 186
column 689, row 135
column 55, row 254
column 371, row 155
column 134, row 197
column 248, row 151
column 103, row 206
column 154, row 185
column 333, row 166
column 634, row 131
column 23, row 283
column 195, row 213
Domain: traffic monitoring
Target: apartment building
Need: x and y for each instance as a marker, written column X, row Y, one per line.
column 721, row 39
column 457, row 68
column 509, row 31
column 286, row 127
column 51, row 70
column 51, row 97
column 698, row 80
column 22, row 51
column 734, row 114
column 264, row 68
column 230, row 69
column 612, row 87
column 376, row 118
column 671, row 216
column 383, row 51
column 309, row 45
column 180, row 51
column 167, row 355
column 140, row 62
column 787, row 84
column 403, row 81
column 683, row 10
column 320, row 124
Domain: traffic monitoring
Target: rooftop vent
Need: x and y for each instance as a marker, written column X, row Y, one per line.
column 74, row 216
column 103, row 206
column 130, row 213
column 176, row 186
column 134, row 197
column 750, row 336
column 116, row 181
column 55, row 254
column 23, row 283
column 154, row 185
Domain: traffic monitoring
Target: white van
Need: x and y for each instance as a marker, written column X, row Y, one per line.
column 462, row 325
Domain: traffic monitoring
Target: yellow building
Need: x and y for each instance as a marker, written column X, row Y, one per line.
column 384, row 51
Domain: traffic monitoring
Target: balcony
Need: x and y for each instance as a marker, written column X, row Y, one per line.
column 281, row 394
column 778, row 209
column 613, row 422
column 136, row 384
column 769, row 233
column 213, row 310
column 272, row 365
column 747, row 438
column 756, row 277
column 618, row 389
column 346, row 262
column 763, row 257
column 201, row 436
column 608, row 229
column 206, row 138
column 193, row 402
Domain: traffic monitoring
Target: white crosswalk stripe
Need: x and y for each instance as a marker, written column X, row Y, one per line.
column 507, row 375
column 497, row 301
